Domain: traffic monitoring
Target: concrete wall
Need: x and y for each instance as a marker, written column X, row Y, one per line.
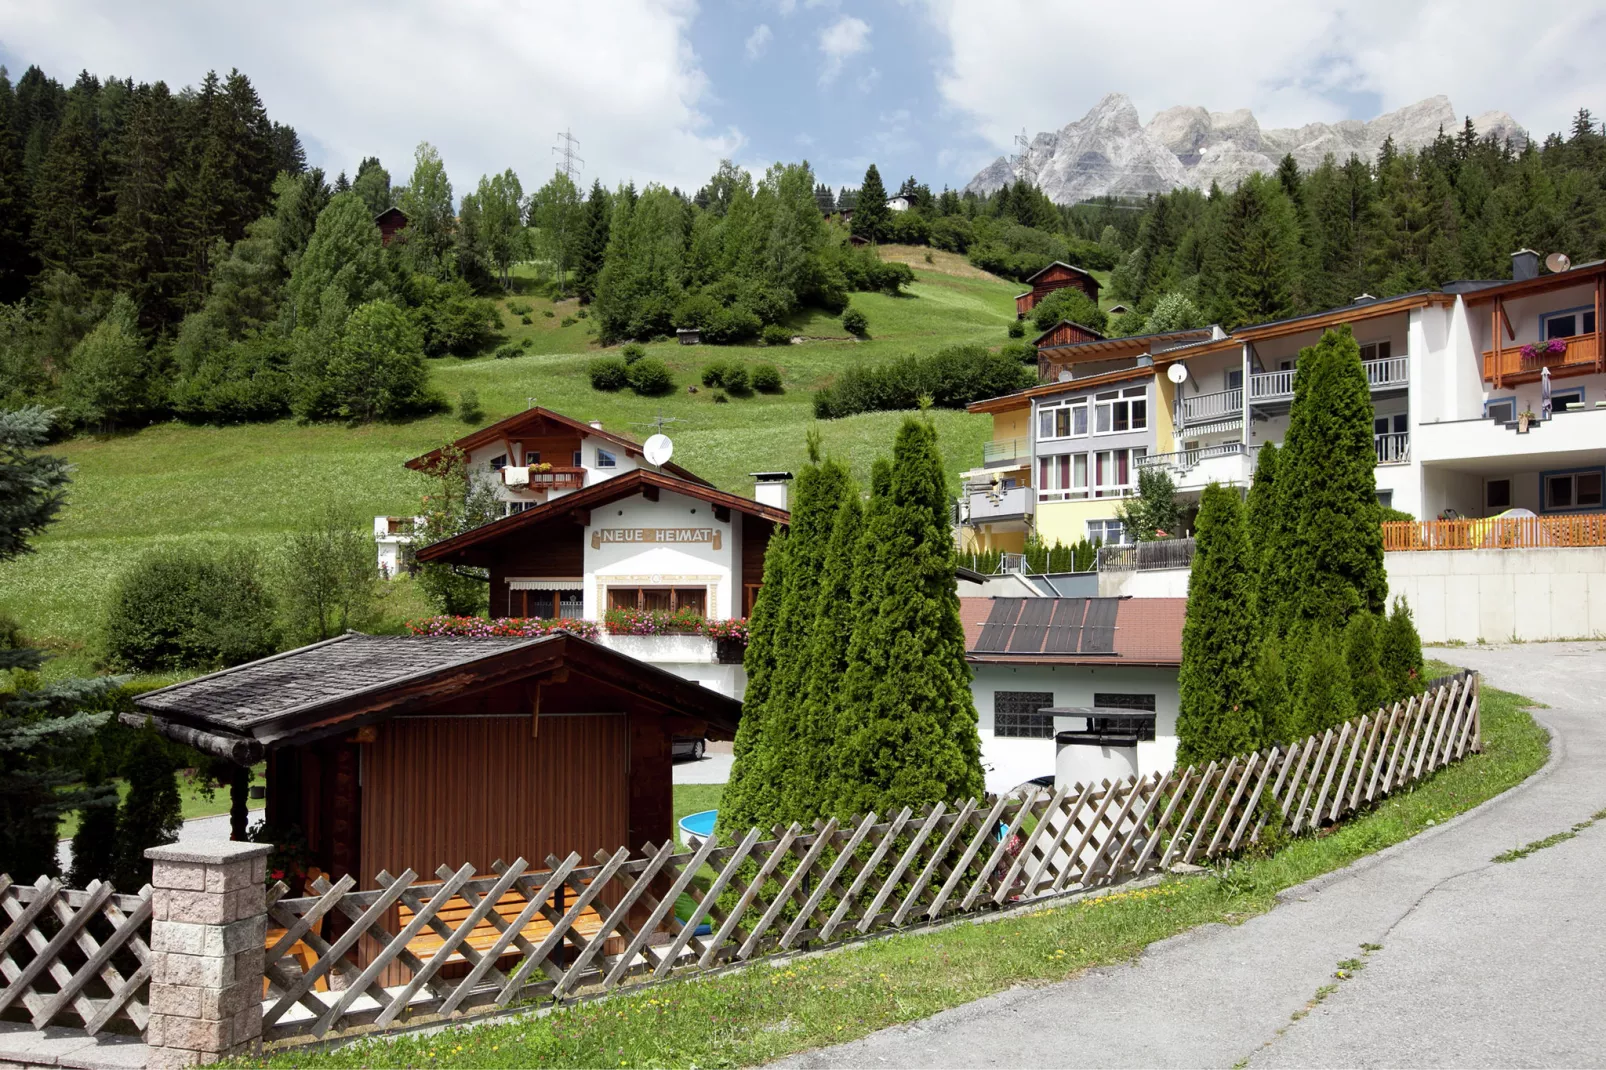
column 1147, row 583
column 1499, row 595
column 691, row 657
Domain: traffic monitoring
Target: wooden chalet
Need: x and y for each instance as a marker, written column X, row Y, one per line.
column 1056, row 276
column 1066, row 333
column 389, row 222
column 396, row 752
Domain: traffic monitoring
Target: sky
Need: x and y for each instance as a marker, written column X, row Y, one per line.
column 662, row 90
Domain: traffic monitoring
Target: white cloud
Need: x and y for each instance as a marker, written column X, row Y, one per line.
column 868, row 80
column 489, row 82
column 847, row 36
column 1289, row 63
column 758, row 42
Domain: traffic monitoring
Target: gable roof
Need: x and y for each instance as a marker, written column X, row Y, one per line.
column 525, row 423
column 1060, row 263
column 1009, row 402
column 1073, row 631
column 1097, row 335
column 392, row 210
column 359, row 678
column 639, row 481
column 1577, row 275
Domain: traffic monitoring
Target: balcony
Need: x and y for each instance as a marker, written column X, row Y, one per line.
column 1005, row 453
column 548, row 477
column 1210, row 408
column 1389, row 373
column 1509, row 366
column 1393, row 448
column 1229, row 463
column 984, row 505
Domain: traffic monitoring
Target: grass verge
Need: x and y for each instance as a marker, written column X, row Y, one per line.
column 770, row 1011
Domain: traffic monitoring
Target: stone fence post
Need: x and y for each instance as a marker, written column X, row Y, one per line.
column 208, row 920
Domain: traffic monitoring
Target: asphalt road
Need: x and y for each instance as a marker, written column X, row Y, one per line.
column 1480, row 964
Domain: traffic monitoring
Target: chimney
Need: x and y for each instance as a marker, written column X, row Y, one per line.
column 770, row 488
column 597, row 424
column 1524, row 265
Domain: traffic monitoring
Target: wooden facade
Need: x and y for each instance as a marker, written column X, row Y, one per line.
column 1056, row 276
column 1066, row 333
column 389, row 222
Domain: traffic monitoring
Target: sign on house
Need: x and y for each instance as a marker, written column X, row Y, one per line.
column 602, row 536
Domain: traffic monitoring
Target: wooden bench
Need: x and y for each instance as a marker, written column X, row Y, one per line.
column 484, row 935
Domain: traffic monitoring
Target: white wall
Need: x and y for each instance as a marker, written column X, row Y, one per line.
column 688, row 564
column 1009, row 761
column 1500, row 595
column 1146, row 583
column 691, row 657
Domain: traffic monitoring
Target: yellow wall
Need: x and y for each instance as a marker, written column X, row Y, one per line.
column 973, row 540
column 1066, row 522
column 1165, row 400
column 1015, row 423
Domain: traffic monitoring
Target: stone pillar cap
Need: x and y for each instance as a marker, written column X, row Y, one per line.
column 209, row 853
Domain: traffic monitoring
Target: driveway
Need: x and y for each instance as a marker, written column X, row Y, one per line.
column 1480, row 964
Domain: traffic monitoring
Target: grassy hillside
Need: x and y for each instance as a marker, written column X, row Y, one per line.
column 175, row 483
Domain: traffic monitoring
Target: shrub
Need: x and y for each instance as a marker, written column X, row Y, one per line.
column 521, row 308
column 568, row 321
column 714, row 374
column 1017, row 328
column 766, row 379
column 776, row 335
column 549, row 314
column 1024, row 352
column 633, row 352
column 608, row 373
column 153, row 813
column 854, row 322
column 736, row 380
column 650, row 377
column 193, row 608
column 525, row 320
column 952, row 377
column 507, row 352
column 468, row 407
column 1399, row 653
column 581, row 314
column 720, row 397
column 1069, row 303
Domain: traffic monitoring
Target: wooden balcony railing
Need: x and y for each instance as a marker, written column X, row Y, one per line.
column 556, row 478
column 1502, row 533
column 1581, row 357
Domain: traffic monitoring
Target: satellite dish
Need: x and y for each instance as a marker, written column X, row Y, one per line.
column 1558, row 262
column 1065, row 375
column 1177, row 373
column 658, row 449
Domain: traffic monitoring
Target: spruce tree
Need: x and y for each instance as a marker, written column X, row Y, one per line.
column 1332, row 563
column 152, row 812
column 913, row 740
column 372, row 184
column 16, row 261
column 594, row 223
column 1361, row 660
column 1322, row 697
column 1217, row 714
column 1400, row 654
column 94, row 845
column 68, row 190
column 751, row 790
column 870, row 212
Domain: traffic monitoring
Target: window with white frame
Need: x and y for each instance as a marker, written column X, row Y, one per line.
column 1062, row 477
column 1115, row 472
column 1106, row 532
column 1567, row 323
column 499, row 462
column 1066, row 419
column 606, row 459
column 1572, row 491
column 1119, row 411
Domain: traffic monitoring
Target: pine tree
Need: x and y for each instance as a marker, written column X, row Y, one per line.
column 94, row 845
column 907, row 685
column 16, row 261
column 143, row 230
column 1255, row 255
column 1400, row 654
column 425, row 244
column 152, row 812
column 43, row 728
column 750, row 792
column 594, row 224
column 1361, row 661
column 372, row 184
column 871, row 215
column 1332, row 563
column 67, row 190
column 1322, row 697
column 1217, row 715
column 344, row 259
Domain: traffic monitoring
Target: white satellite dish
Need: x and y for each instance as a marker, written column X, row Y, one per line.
column 1558, row 262
column 658, row 449
column 1177, row 373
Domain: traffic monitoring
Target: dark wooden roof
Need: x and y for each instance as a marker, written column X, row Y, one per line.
column 532, row 419
column 1069, row 267
column 305, row 693
column 578, row 505
column 1092, row 335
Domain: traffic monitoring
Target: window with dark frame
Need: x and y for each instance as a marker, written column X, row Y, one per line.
column 549, row 604
column 660, row 599
column 1497, row 494
column 1123, row 701
column 1016, row 714
column 1568, row 491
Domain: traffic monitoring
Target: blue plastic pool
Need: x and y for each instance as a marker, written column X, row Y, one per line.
column 698, row 826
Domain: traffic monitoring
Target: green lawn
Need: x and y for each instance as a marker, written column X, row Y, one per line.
column 175, row 484
column 770, row 1011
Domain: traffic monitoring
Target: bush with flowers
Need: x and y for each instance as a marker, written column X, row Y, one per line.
column 680, row 622
column 510, row 627
column 1555, row 347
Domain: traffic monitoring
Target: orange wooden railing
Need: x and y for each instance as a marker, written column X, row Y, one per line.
column 1507, row 533
column 1581, row 358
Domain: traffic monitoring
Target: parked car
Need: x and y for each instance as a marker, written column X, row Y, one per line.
column 688, row 747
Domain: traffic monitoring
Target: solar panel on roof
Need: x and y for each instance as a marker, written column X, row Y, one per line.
column 1032, row 626
column 1098, row 631
column 1066, row 630
column 994, row 638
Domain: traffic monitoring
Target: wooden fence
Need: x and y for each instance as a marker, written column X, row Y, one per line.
column 76, row 958
column 1502, row 533
column 344, row 959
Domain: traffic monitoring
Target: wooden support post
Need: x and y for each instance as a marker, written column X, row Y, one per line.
column 1494, row 329
column 239, row 790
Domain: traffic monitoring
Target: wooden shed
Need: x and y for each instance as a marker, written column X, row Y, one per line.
column 390, row 221
column 390, row 752
column 1056, row 276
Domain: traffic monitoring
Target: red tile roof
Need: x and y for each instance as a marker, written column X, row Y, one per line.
column 1148, row 631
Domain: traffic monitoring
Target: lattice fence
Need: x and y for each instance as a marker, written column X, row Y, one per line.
column 343, row 959
column 77, row 958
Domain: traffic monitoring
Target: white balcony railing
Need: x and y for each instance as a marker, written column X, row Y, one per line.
column 1388, row 372
column 1394, row 448
column 1204, row 408
column 1384, row 374
column 1185, row 460
column 998, row 454
column 983, row 505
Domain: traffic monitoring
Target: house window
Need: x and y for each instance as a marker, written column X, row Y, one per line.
column 1497, row 494
column 532, row 456
column 549, row 605
column 1377, row 351
column 1562, row 400
column 1569, row 491
column 1385, row 498
column 1115, row 471
column 606, row 459
column 1235, row 378
column 499, row 462
column 518, row 507
column 1567, row 323
column 1106, row 532
column 1062, row 476
column 1015, row 714
column 1121, row 701
column 1118, row 411
column 660, row 599
column 1501, row 410
column 1062, row 421
column 577, row 459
